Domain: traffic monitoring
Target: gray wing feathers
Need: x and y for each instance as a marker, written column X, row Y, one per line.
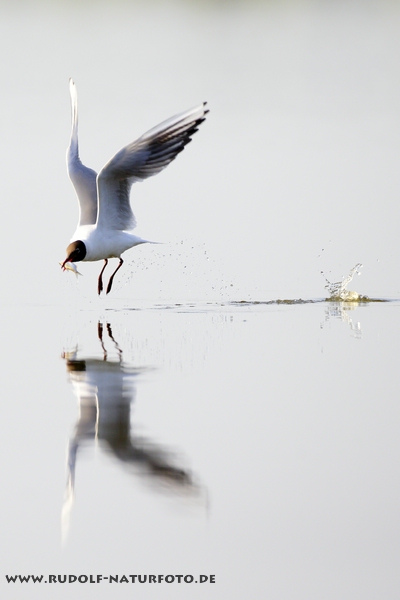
column 143, row 158
column 115, row 210
column 83, row 178
column 84, row 182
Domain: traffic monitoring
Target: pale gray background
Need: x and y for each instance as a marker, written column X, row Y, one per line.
column 287, row 415
column 296, row 170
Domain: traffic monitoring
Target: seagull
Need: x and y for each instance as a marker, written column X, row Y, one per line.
column 106, row 219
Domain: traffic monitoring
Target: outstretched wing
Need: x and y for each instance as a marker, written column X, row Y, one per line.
column 83, row 178
column 143, row 158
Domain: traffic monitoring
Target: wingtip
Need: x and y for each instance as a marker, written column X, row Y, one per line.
column 72, row 91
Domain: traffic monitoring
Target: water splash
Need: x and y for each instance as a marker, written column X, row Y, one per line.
column 339, row 291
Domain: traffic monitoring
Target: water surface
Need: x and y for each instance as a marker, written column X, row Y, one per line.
column 258, row 443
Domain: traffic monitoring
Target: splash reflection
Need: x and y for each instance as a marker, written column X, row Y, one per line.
column 106, row 390
column 341, row 310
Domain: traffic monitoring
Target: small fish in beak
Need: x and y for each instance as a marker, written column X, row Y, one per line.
column 70, row 266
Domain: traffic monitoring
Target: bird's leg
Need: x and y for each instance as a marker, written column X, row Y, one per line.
column 100, row 282
column 112, row 276
column 109, row 330
column 100, row 336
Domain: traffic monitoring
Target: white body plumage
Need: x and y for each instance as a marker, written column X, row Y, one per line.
column 104, row 243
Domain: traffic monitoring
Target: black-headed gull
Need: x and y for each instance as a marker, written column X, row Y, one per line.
column 105, row 215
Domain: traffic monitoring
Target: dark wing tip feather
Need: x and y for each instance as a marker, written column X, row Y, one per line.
column 154, row 151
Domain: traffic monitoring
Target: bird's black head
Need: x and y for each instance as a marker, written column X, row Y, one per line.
column 76, row 251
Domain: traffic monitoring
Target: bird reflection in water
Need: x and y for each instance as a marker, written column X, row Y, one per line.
column 106, row 390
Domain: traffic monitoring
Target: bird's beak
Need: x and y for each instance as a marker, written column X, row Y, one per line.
column 64, row 263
